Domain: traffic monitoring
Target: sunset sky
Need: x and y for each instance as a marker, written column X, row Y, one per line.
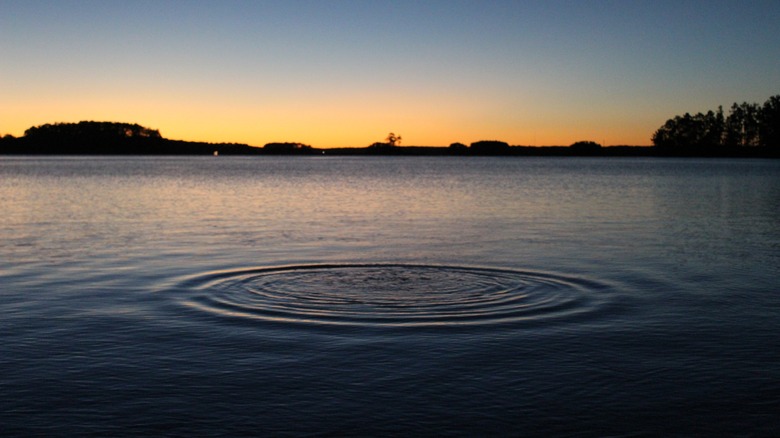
column 345, row 73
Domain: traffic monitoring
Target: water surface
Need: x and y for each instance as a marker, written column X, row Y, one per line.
column 389, row 296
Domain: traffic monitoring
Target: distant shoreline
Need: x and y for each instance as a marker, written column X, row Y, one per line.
column 182, row 148
column 117, row 139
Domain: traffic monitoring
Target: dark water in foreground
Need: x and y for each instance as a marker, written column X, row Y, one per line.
column 389, row 296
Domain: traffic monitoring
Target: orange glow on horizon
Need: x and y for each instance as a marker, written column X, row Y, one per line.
column 326, row 136
column 322, row 124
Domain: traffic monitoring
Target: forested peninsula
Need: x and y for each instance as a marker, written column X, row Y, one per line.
column 108, row 138
column 749, row 130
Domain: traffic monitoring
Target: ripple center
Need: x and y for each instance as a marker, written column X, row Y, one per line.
column 391, row 295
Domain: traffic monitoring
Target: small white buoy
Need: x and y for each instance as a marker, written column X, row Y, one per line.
column 216, row 153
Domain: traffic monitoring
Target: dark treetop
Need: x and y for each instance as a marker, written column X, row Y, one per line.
column 749, row 129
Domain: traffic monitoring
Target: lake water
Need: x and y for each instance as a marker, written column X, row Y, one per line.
column 359, row 296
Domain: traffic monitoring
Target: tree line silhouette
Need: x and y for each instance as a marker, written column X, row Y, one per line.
column 749, row 127
column 748, row 130
column 108, row 138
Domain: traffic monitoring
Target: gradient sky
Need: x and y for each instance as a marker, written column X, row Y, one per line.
column 345, row 73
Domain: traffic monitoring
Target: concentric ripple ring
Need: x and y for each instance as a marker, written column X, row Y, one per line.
column 392, row 295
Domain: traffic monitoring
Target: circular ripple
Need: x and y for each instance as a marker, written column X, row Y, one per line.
column 391, row 295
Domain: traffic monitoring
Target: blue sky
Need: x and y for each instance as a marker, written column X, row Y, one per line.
column 344, row 73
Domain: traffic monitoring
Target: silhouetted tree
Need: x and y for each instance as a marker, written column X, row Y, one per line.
column 92, row 138
column 386, row 147
column 748, row 125
column 458, row 148
column 489, row 147
column 769, row 123
column 89, row 131
column 110, row 138
column 585, row 147
column 288, row 148
column 742, row 126
column 689, row 134
column 393, row 140
column 7, row 143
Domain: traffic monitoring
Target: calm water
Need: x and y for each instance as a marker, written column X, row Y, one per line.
column 389, row 296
